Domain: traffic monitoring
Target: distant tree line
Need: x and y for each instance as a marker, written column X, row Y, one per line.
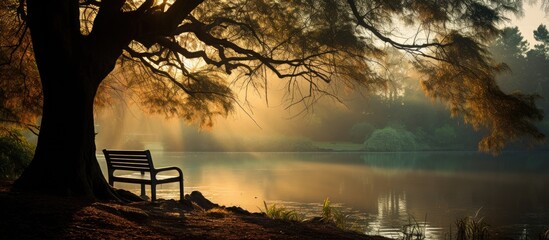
column 404, row 122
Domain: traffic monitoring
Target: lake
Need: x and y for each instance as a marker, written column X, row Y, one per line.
column 380, row 192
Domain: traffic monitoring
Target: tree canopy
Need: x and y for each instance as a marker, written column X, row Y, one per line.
column 20, row 92
column 189, row 58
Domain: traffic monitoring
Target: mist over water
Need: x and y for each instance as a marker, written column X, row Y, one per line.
column 267, row 128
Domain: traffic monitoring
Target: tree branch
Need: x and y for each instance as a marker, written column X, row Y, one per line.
column 380, row 36
column 154, row 24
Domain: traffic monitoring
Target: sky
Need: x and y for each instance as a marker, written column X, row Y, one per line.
column 533, row 17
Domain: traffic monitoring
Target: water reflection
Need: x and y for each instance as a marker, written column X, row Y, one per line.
column 391, row 212
column 391, row 205
column 383, row 191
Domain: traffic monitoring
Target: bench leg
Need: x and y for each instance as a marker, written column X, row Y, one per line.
column 181, row 190
column 143, row 193
column 153, row 192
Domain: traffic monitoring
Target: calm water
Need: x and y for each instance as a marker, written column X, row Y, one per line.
column 381, row 191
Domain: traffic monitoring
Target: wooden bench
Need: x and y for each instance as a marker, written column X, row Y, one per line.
column 137, row 167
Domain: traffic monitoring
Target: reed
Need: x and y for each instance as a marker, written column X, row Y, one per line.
column 544, row 235
column 413, row 230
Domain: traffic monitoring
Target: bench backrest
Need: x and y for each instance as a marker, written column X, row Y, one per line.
column 134, row 160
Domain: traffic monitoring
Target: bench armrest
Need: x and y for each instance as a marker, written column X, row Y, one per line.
column 157, row 170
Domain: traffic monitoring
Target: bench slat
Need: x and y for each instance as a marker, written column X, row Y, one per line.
column 127, row 152
column 145, row 176
column 134, row 169
column 117, row 165
column 115, row 161
column 129, row 157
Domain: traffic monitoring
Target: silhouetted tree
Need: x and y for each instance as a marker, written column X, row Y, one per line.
column 537, row 61
column 542, row 35
column 528, row 67
column 511, row 48
column 182, row 56
column 510, row 44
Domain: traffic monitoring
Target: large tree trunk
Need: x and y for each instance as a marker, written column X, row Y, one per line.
column 64, row 161
column 71, row 68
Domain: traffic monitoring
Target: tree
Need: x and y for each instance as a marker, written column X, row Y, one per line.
column 542, row 35
column 182, row 57
column 511, row 48
column 510, row 44
column 537, row 60
column 528, row 66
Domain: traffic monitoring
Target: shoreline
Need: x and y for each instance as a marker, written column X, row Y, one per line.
column 33, row 216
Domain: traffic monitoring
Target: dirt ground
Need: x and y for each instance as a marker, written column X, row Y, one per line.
column 31, row 216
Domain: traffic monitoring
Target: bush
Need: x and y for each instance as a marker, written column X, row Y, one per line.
column 390, row 139
column 15, row 154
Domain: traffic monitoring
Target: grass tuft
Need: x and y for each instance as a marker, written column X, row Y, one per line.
column 472, row 228
column 280, row 212
column 334, row 215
